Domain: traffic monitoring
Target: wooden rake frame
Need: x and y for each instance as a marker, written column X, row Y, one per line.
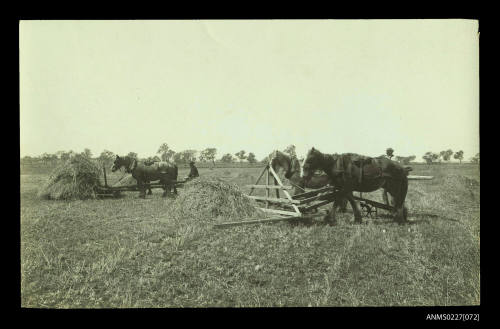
column 298, row 207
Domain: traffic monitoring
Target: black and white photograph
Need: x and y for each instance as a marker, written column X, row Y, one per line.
column 249, row 163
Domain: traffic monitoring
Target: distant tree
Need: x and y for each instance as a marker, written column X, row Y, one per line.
column 185, row 156
column 291, row 150
column 227, row 158
column 87, row 153
column 389, row 152
column 446, row 154
column 59, row 154
column 152, row 159
column 459, row 156
column 208, row 154
column 26, row 159
column 251, row 158
column 430, row 157
column 475, row 159
column 265, row 160
column 405, row 160
column 166, row 153
column 241, row 155
column 48, row 158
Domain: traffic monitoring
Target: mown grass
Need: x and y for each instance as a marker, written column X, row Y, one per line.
column 130, row 252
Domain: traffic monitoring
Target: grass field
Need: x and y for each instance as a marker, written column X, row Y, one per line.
column 129, row 252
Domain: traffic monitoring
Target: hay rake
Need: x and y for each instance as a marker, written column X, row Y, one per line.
column 114, row 191
column 303, row 206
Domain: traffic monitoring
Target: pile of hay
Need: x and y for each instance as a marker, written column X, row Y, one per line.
column 460, row 188
column 77, row 178
column 208, row 198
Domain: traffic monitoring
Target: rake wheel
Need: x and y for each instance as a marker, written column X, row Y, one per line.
column 368, row 210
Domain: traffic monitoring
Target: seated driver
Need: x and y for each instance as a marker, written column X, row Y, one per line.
column 193, row 172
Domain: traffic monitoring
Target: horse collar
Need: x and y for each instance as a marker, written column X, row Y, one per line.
column 134, row 165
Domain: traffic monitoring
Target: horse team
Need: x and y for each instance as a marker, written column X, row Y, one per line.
column 348, row 172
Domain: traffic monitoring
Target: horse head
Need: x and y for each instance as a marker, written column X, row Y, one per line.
column 312, row 162
column 117, row 164
column 125, row 161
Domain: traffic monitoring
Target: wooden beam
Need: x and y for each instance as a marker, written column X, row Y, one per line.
column 277, row 187
column 105, row 179
column 284, row 191
column 136, row 187
column 317, row 205
column 416, row 177
column 257, row 221
column 329, row 196
column 281, row 212
column 313, row 193
column 267, row 189
column 280, row 200
column 258, row 179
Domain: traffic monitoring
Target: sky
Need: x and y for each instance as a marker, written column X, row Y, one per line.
column 356, row 86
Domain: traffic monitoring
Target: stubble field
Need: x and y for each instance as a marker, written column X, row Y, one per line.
column 129, row 252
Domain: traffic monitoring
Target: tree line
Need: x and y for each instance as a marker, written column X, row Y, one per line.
column 209, row 155
column 432, row 157
column 164, row 153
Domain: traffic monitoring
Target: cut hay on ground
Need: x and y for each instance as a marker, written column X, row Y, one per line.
column 77, row 178
column 208, row 198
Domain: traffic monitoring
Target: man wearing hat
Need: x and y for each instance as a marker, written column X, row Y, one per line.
column 193, row 172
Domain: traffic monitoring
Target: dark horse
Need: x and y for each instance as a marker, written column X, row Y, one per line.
column 353, row 172
column 165, row 172
column 291, row 167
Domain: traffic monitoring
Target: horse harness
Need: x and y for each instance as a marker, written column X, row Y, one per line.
column 344, row 165
column 132, row 168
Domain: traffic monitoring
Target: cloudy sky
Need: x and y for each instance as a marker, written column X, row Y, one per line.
column 339, row 85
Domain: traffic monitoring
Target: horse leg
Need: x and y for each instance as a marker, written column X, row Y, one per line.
column 343, row 205
column 142, row 189
column 398, row 192
column 401, row 208
column 149, row 189
column 165, row 190
column 358, row 219
column 331, row 217
column 385, row 197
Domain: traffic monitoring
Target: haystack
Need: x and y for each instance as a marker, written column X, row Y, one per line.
column 208, row 198
column 77, row 178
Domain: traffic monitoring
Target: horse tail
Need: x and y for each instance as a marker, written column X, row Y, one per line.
column 403, row 190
